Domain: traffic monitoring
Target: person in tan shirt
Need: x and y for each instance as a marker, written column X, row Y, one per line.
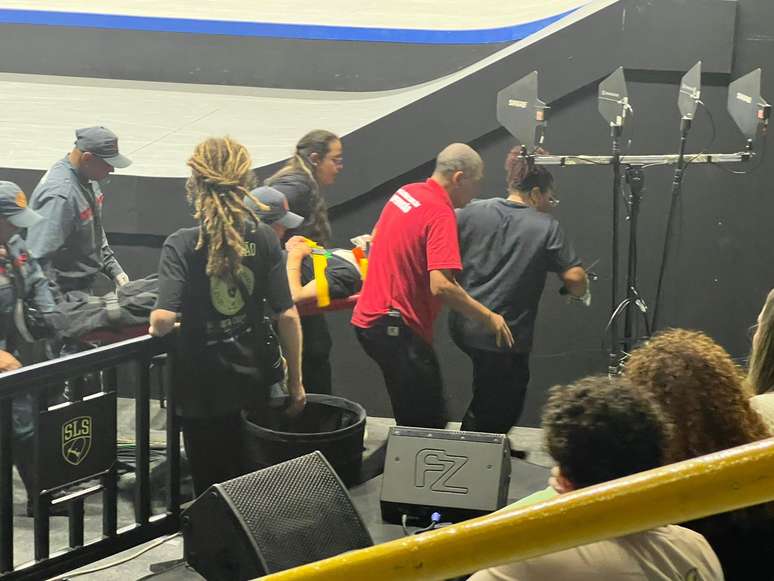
column 600, row 429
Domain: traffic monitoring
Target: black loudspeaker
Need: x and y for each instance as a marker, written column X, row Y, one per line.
column 280, row 517
column 457, row 474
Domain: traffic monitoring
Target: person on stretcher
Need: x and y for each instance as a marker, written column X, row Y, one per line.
column 339, row 270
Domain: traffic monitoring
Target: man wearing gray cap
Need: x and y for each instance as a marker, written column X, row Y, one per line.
column 70, row 243
column 23, row 286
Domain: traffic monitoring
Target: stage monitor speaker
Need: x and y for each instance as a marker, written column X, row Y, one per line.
column 280, row 517
column 457, row 474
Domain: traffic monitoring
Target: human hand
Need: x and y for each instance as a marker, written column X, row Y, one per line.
column 500, row 329
column 121, row 279
column 557, row 481
column 297, row 401
column 298, row 246
column 8, row 362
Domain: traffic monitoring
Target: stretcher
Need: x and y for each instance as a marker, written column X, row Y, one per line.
column 306, row 308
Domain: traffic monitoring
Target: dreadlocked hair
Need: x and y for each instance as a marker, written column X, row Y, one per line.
column 523, row 175
column 221, row 176
column 319, row 142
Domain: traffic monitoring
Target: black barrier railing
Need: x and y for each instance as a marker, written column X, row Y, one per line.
column 74, row 443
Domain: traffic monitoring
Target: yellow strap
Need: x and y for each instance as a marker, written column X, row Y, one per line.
column 320, row 263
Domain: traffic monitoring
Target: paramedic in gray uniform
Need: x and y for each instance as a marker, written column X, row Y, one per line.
column 70, row 243
column 23, row 287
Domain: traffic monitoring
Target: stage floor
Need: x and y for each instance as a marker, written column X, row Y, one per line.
column 526, row 477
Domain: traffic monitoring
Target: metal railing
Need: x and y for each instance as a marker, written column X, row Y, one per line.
column 73, row 443
column 696, row 488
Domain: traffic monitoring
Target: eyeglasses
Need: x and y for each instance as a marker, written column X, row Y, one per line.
column 553, row 202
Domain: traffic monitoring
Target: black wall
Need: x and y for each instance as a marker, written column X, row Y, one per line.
column 229, row 60
column 720, row 263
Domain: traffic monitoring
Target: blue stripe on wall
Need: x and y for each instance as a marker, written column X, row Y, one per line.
column 272, row 30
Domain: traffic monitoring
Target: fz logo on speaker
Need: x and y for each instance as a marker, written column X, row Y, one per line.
column 436, row 468
column 76, row 439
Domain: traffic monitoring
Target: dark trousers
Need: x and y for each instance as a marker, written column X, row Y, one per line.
column 316, row 360
column 214, row 449
column 411, row 372
column 499, row 388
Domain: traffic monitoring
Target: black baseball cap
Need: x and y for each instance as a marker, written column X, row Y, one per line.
column 13, row 206
column 276, row 207
column 103, row 143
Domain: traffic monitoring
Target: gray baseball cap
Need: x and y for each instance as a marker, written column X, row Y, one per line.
column 13, row 206
column 103, row 143
column 277, row 205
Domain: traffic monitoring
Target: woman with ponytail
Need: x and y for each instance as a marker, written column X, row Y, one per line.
column 316, row 162
column 216, row 277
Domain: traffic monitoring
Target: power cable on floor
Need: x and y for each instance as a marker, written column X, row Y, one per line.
column 112, row 564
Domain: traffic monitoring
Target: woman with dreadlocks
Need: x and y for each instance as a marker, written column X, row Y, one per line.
column 216, row 277
column 316, row 162
column 508, row 247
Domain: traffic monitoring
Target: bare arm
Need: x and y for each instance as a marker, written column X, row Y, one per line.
column 8, row 362
column 575, row 281
column 448, row 290
column 290, row 338
column 162, row 322
column 299, row 292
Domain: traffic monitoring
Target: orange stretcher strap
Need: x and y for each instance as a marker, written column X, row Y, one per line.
column 362, row 261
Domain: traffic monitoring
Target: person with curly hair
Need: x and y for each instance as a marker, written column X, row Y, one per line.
column 208, row 276
column 316, row 162
column 598, row 429
column 701, row 390
column 760, row 374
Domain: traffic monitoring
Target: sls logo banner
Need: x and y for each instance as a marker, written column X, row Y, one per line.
column 76, row 439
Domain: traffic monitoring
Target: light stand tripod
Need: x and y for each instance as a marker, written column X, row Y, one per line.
column 635, row 179
column 521, row 112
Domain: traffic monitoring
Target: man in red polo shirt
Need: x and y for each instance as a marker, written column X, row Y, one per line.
column 411, row 266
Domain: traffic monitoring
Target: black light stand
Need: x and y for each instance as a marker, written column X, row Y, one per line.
column 635, row 178
column 687, row 101
column 613, row 103
column 677, row 184
column 613, row 357
column 520, row 111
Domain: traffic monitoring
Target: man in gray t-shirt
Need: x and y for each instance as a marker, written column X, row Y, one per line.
column 508, row 247
column 70, row 243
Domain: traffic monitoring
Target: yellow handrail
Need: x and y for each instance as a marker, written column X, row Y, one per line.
column 680, row 492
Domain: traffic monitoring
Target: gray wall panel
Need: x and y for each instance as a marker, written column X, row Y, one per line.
column 663, row 35
column 222, row 60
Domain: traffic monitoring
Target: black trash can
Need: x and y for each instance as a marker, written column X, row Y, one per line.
column 333, row 425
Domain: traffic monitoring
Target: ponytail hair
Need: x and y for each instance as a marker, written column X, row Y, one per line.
column 221, row 177
column 522, row 174
column 319, row 142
